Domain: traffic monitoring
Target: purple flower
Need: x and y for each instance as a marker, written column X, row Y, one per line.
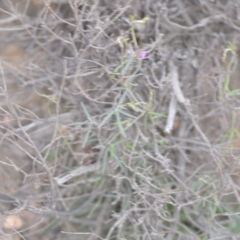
column 143, row 54
column 129, row 51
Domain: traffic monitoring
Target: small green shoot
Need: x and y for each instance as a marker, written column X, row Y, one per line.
column 232, row 50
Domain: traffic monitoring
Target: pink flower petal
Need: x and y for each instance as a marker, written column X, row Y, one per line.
column 129, row 51
column 143, row 54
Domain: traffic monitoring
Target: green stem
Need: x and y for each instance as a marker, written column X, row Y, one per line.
column 134, row 39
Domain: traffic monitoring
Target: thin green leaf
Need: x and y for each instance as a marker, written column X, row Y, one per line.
column 151, row 118
column 114, row 156
column 126, row 114
column 87, row 135
column 109, row 115
column 128, row 64
column 119, row 123
column 132, row 95
column 105, row 158
column 77, row 124
column 86, row 112
column 234, row 93
column 132, row 77
column 158, row 114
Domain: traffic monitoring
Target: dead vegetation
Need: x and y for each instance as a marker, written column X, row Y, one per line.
column 119, row 119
